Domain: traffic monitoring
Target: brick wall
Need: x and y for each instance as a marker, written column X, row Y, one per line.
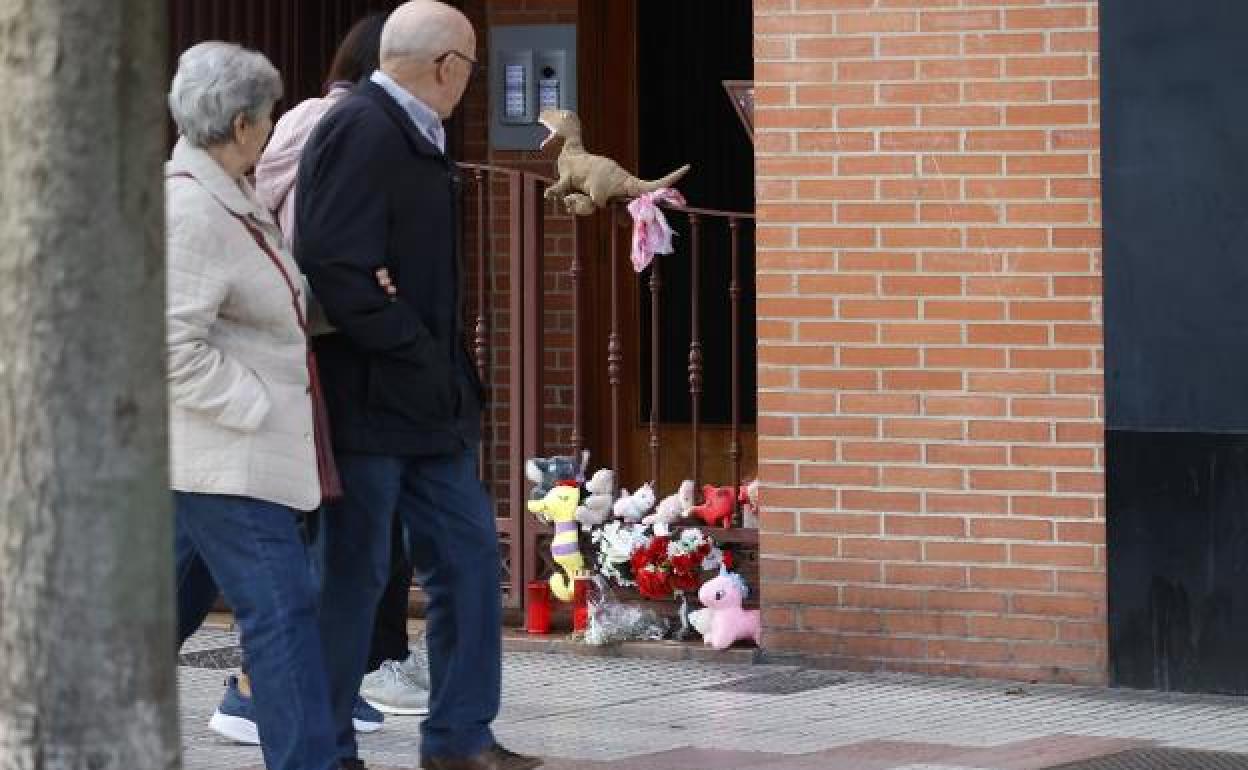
column 930, row 357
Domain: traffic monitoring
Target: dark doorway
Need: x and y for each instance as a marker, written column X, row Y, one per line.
column 684, row 116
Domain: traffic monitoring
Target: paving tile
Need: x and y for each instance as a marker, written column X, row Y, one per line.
column 1044, row 752
column 608, row 712
column 899, row 751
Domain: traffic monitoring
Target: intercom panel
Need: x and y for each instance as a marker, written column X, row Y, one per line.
column 531, row 68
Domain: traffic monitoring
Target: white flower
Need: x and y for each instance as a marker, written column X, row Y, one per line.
column 692, row 539
column 616, row 543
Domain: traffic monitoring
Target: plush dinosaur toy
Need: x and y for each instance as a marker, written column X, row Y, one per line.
column 586, row 181
column 559, row 507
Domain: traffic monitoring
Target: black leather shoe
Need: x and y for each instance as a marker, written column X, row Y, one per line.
column 494, row 758
column 355, row 763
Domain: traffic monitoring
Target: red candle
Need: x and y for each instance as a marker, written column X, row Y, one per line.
column 580, row 604
column 537, row 611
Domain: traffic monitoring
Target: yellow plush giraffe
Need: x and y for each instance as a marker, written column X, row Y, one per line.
column 559, row 507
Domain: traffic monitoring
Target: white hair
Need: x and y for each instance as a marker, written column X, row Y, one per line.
column 215, row 83
column 421, row 28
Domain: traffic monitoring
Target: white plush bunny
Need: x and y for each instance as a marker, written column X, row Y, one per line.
column 632, row 508
column 672, row 508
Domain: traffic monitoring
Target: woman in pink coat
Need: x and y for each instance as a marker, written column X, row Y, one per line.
column 278, row 167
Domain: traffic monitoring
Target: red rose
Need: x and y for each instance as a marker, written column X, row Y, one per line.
column 685, row 563
column 688, row 583
column 657, row 550
column 654, row 584
column 639, row 560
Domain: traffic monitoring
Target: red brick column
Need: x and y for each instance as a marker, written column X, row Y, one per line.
column 930, row 359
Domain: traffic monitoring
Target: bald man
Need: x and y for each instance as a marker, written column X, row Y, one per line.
column 376, row 189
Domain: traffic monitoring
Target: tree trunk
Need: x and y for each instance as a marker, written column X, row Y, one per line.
column 87, row 670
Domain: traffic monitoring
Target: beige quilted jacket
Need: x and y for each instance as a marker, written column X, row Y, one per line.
column 240, row 413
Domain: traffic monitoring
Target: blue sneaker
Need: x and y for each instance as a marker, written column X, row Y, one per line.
column 365, row 718
column 235, row 718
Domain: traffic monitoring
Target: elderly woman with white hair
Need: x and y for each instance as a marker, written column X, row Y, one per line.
column 244, row 427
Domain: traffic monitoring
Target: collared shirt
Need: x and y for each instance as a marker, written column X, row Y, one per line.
column 423, row 117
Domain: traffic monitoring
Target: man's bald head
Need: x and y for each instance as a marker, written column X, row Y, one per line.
column 429, row 48
column 425, row 29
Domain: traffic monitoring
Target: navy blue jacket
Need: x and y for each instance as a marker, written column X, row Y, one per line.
column 372, row 192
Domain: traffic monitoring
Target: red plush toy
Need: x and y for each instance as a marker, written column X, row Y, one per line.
column 717, row 510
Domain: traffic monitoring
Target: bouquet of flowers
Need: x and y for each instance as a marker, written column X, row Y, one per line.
column 615, row 543
column 661, row 566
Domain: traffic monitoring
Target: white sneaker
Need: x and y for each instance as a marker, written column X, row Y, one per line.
column 416, row 669
column 390, row 690
column 235, row 718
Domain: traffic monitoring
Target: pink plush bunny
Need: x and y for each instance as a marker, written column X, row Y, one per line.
column 722, row 597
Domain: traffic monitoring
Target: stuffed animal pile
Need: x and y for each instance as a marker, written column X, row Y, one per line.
column 562, row 495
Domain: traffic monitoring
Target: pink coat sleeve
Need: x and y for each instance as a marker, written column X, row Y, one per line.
column 278, row 167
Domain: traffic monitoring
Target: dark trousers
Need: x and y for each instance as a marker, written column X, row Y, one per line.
column 454, row 552
column 390, row 640
column 197, row 591
column 253, row 551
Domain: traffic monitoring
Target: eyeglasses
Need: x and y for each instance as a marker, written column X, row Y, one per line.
column 476, row 65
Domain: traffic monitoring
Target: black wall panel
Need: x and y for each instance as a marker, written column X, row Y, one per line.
column 1175, row 145
column 1175, row 171
column 1178, row 559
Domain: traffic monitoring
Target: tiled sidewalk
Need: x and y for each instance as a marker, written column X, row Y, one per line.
column 628, row 714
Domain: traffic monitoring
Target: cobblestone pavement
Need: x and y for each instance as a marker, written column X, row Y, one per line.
column 629, row 714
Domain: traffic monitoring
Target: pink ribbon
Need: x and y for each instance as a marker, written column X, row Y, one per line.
column 651, row 233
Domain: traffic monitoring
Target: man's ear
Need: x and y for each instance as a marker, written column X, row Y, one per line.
column 439, row 69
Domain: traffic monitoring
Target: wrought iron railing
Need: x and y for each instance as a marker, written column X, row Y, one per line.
column 507, row 348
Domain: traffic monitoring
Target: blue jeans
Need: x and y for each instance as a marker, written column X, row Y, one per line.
column 197, row 591
column 252, row 550
column 454, row 552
